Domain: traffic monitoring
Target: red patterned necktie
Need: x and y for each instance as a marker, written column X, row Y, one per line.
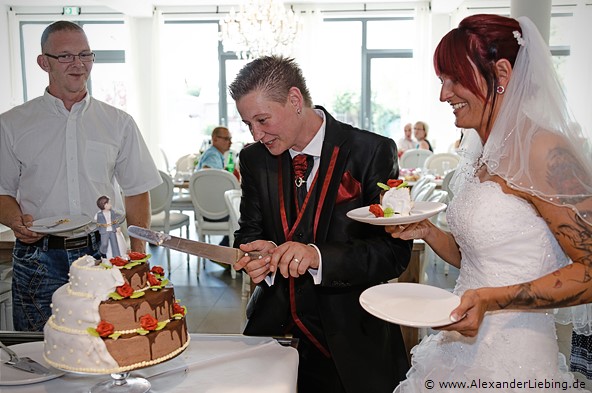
column 300, row 165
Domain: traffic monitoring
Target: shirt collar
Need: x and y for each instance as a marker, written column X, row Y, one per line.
column 315, row 146
column 58, row 105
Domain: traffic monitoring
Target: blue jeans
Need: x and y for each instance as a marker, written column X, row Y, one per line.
column 37, row 273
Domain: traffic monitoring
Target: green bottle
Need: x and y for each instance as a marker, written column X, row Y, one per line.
column 230, row 165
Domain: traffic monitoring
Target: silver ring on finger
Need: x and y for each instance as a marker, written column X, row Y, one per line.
column 296, row 260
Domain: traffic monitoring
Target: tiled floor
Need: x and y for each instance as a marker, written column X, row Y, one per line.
column 215, row 303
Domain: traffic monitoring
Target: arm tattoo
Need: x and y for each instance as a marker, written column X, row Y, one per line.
column 563, row 172
column 579, row 236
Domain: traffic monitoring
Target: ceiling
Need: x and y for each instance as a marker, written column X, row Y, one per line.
column 143, row 8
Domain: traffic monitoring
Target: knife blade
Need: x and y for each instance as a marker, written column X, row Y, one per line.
column 23, row 363
column 213, row 252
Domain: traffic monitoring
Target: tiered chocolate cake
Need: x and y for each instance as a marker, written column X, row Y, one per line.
column 114, row 316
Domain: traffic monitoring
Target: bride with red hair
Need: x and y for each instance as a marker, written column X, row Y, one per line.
column 521, row 218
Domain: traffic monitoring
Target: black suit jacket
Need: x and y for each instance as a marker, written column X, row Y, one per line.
column 369, row 353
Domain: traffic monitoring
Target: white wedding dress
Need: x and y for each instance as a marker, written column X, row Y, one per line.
column 503, row 241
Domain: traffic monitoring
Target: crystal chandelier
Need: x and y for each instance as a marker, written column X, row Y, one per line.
column 260, row 28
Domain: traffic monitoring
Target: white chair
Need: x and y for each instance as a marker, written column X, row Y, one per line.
column 185, row 165
column 184, row 168
column 181, row 200
column 207, row 187
column 163, row 219
column 414, row 158
column 446, row 184
column 166, row 161
column 425, row 192
column 6, row 299
column 441, row 163
column 418, row 186
column 438, row 196
column 233, row 198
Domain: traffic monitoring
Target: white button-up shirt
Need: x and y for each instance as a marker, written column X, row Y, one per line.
column 57, row 162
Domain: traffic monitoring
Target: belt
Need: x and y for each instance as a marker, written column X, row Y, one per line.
column 68, row 243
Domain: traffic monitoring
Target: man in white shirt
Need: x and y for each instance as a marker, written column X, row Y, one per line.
column 406, row 142
column 58, row 154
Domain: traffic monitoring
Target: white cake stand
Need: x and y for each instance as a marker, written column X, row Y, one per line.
column 118, row 383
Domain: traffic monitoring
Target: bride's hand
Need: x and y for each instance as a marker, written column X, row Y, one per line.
column 469, row 314
column 416, row 230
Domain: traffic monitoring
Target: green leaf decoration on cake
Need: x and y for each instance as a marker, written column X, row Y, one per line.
column 132, row 264
column 137, row 294
column 161, row 325
column 404, row 184
column 93, row 332
column 105, row 266
column 389, row 212
column 383, row 186
column 115, row 296
column 142, row 332
column 114, row 336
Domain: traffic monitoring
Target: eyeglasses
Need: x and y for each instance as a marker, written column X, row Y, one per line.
column 226, row 138
column 85, row 57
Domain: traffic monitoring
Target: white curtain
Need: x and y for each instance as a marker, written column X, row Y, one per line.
column 146, row 106
column 306, row 51
column 424, row 71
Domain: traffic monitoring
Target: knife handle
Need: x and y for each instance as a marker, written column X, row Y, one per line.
column 254, row 255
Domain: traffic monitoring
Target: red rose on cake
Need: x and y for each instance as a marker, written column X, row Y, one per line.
column 105, row 329
column 158, row 270
column 125, row 290
column 178, row 309
column 148, row 322
column 136, row 256
column 152, row 280
column 118, row 261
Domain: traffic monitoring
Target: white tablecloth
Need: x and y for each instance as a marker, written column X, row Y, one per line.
column 211, row 363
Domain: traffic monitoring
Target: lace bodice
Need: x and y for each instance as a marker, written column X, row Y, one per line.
column 501, row 237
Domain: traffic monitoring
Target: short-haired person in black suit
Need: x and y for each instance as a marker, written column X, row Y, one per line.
column 321, row 261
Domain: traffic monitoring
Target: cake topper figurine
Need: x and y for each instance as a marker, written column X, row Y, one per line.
column 108, row 221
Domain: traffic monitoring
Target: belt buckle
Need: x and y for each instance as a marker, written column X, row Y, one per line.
column 79, row 242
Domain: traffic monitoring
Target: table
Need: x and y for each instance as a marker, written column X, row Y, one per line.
column 211, row 363
column 413, row 274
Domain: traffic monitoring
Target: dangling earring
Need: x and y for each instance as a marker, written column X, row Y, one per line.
column 500, row 89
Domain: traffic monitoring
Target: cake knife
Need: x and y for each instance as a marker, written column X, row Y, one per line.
column 213, row 252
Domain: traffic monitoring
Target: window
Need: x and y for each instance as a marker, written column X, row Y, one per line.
column 109, row 78
column 190, row 69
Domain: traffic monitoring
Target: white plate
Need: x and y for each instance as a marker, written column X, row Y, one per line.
column 10, row 376
column 74, row 222
column 409, row 304
column 421, row 210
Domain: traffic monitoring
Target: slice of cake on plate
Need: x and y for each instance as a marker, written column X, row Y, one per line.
column 395, row 199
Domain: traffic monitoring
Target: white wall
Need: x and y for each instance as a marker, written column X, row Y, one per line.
column 143, row 69
column 442, row 132
column 5, row 81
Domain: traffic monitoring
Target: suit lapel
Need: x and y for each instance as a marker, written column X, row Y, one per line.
column 274, row 165
column 332, row 139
